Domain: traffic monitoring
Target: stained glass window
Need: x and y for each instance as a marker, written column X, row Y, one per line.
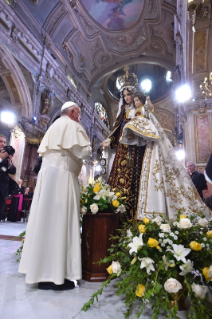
column 102, row 113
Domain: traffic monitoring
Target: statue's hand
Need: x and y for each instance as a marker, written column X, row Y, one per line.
column 106, row 143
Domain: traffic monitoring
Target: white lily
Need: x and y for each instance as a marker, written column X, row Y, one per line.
column 147, row 263
column 106, row 192
column 186, row 268
column 97, row 197
column 180, row 252
column 136, row 243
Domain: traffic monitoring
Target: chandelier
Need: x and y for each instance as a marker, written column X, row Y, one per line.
column 206, row 87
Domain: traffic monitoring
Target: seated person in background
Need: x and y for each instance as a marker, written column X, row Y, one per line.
column 16, row 205
column 27, row 193
column 19, row 188
column 197, row 178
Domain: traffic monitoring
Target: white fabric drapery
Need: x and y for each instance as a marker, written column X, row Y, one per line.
column 165, row 186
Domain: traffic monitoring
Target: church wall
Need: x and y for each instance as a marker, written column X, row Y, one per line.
column 36, row 73
column 196, row 33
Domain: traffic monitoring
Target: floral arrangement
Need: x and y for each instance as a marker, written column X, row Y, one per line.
column 161, row 262
column 98, row 197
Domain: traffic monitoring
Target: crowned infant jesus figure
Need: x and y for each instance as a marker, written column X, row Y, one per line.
column 140, row 129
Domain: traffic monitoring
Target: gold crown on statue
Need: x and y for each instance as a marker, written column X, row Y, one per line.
column 128, row 79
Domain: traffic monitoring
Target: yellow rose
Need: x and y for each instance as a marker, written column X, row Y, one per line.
column 97, row 185
column 146, row 220
column 142, row 229
column 96, row 189
column 140, row 290
column 209, row 234
column 152, row 242
column 115, row 203
column 205, row 273
column 195, row 246
column 110, row 270
column 118, row 194
column 183, row 216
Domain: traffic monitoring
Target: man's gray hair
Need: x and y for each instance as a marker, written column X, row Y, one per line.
column 68, row 109
column 191, row 163
column 2, row 135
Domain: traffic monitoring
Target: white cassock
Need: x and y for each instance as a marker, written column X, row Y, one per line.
column 52, row 249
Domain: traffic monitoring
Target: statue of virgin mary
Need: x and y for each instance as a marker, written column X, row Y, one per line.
column 145, row 166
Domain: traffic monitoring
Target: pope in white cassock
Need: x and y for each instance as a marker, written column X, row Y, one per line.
column 51, row 254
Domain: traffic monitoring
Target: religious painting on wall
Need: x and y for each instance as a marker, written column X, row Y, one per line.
column 100, row 110
column 114, row 15
column 203, row 138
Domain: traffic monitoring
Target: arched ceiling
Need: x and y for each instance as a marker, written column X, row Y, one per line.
column 90, row 37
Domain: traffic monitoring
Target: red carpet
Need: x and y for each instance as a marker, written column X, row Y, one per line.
column 7, row 237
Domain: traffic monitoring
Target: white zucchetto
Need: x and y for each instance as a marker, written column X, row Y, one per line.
column 67, row 105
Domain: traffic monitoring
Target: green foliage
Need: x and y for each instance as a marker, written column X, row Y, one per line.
column 19, row 250
column 137, row 280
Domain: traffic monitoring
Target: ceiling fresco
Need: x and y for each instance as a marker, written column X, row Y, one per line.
column 115, row 15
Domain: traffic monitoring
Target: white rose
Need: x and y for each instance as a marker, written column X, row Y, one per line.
column 157, row 220
column 94, row 208
column 185, row 223
column 199, row 291
column 203, row 222
column 165, row 228
column 116, row 266
column 83, row 210
column 172, row 285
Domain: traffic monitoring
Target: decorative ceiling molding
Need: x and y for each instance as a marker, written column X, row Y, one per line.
column 54, row 19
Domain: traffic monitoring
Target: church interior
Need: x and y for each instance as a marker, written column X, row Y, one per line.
column 56, row 51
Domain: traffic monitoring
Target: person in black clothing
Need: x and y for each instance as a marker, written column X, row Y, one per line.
column 16, row 204
column 37, row 167
column 208, row 171
column 6, row 167
column 197, row 178
column 27, row 193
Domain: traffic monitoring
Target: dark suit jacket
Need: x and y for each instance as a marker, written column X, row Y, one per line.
column 4, row 177
column 208, row 170
column 18, row 190
column 199, row 181
column 38, row 165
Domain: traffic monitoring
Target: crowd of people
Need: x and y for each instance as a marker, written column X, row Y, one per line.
column 9, row 187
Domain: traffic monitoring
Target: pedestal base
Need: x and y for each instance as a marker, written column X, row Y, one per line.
column 96, row 231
